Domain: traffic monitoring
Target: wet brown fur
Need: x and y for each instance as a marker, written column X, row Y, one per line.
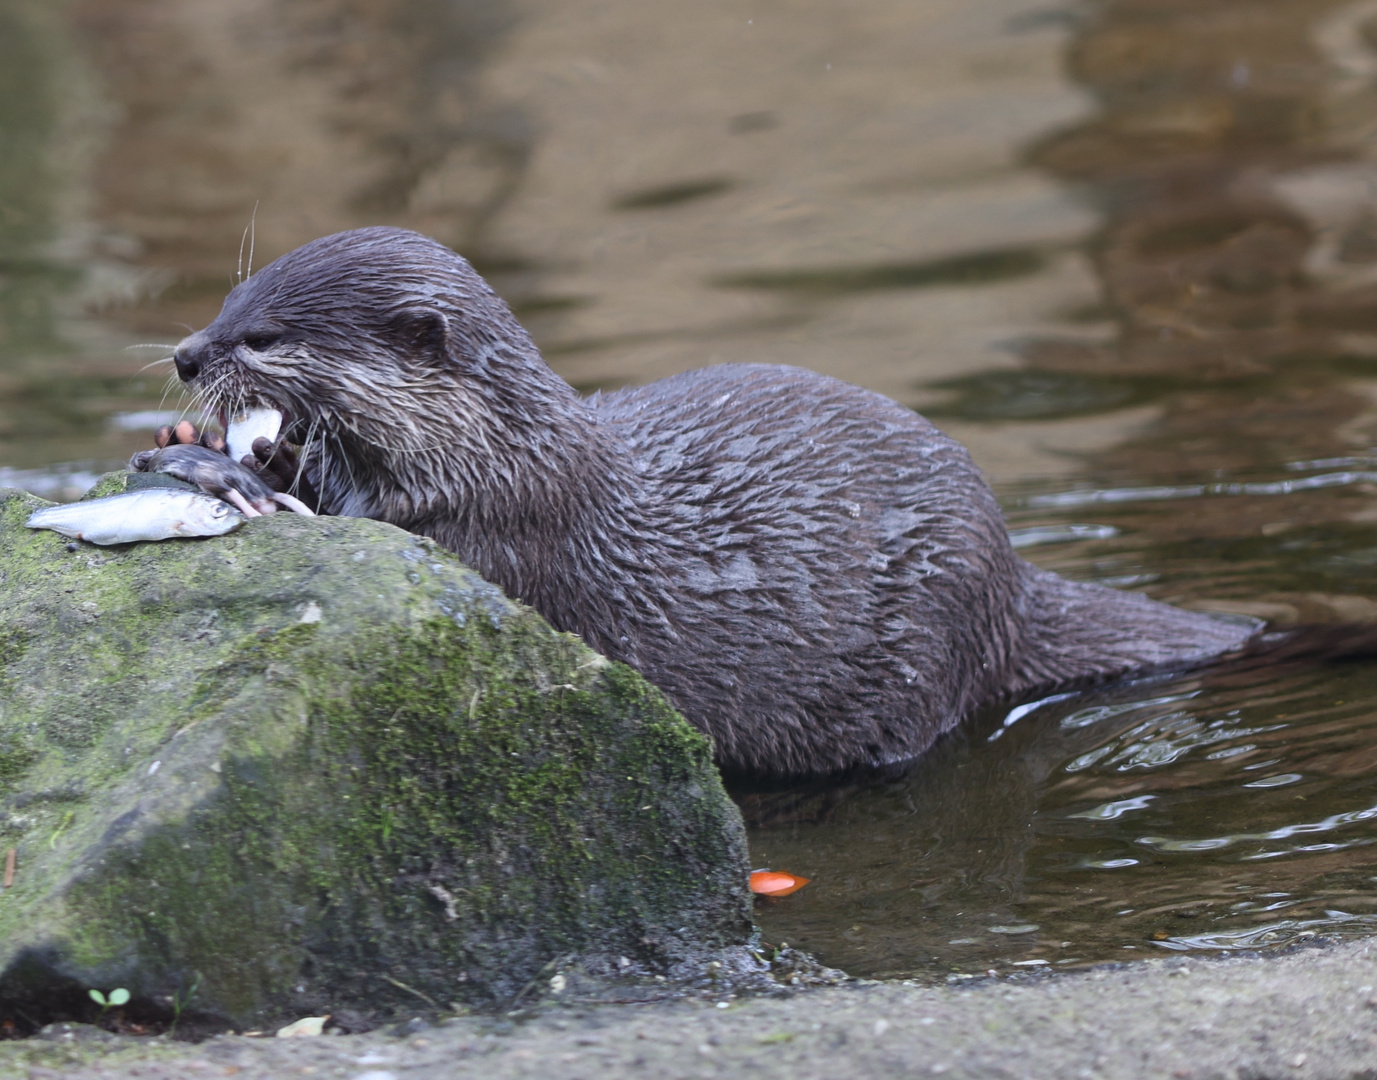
column 815, row 575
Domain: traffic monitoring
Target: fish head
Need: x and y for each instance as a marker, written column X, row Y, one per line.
column 207, row 516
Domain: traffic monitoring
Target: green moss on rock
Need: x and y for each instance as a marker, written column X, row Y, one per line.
column 302, row 764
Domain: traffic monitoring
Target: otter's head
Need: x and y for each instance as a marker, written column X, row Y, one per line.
column 405, row 380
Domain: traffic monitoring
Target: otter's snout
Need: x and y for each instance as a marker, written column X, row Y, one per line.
column 190, row 357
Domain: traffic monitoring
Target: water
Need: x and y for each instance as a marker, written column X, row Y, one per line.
column 1222, row 810
column 1126, row 250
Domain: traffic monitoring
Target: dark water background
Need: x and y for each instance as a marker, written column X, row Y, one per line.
column 1125, row 250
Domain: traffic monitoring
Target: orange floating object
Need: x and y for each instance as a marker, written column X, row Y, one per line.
column 776, row 882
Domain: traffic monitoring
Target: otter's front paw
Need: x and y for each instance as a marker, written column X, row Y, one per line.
column 185, row 433
column 275, row 464
column 278, row 466
column 181, row 434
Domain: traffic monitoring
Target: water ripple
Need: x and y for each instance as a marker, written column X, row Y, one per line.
column 1214, row 843
column 1064, row 499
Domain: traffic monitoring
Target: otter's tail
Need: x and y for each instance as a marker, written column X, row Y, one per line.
column 1080, row 634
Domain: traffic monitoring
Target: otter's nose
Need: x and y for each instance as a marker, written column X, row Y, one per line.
column 189, row 357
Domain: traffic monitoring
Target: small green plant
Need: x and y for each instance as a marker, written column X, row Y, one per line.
column 116, row 998
column 180, row 1001
column 61, row 828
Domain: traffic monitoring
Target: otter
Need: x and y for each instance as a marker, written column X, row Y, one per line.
column 816, row 576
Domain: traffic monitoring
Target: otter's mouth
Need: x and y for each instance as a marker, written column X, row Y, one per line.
column 248, row 422
column 248, row 425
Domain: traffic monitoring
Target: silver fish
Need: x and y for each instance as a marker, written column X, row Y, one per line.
column 152, row 514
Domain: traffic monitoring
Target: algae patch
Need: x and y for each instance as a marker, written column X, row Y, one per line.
column 297, row 778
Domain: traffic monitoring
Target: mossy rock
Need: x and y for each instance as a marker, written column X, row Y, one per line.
column 319, row 763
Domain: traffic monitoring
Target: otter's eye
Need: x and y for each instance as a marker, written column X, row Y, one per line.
column 261, row 339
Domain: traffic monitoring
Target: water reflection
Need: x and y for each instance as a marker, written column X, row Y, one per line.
column 1140, row 236
column 44, row 380
column 1181, row 814
column 1226, row 156
column 653, row 188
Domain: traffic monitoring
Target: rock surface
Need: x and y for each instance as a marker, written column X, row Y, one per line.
column 317, row 764
column 1311, row 1015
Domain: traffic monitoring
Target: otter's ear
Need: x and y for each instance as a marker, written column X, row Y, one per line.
column 422, row 334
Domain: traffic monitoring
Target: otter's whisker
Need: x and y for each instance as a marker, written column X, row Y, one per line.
column 171, row 383
column 304, row 454
column 253, row 232
column 200, row 397
column 189, row 397
column 344, row 460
